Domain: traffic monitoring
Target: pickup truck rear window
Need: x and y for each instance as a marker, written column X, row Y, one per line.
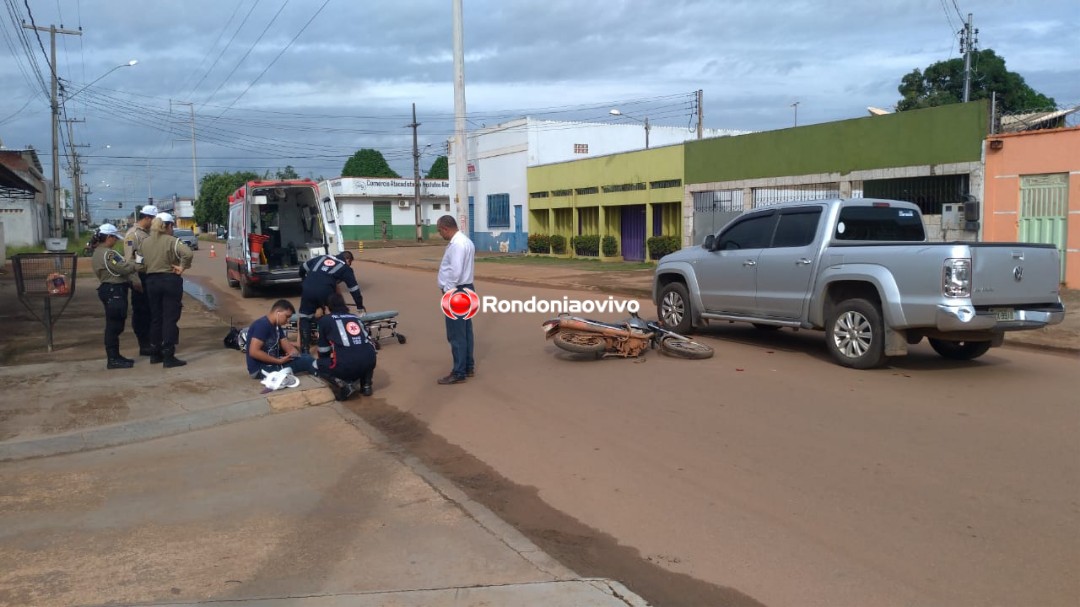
column 879, row 224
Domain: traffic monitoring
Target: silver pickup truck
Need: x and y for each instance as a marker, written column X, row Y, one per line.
column 862, row 271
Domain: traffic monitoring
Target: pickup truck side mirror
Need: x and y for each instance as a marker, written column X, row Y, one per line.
column 710, row 240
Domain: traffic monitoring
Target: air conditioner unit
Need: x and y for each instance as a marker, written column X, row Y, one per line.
column 403, row 204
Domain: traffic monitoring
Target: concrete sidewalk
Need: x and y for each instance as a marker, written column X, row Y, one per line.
column 615, row 280
column 189, row 486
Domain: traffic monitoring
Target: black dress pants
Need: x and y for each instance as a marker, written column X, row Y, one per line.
column 165, row 291
column 115, row 299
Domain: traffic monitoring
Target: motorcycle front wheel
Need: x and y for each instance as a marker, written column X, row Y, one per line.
column 580, row 343
column 685, row 348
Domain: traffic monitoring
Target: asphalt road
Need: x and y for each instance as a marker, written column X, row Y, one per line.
column 765, row 475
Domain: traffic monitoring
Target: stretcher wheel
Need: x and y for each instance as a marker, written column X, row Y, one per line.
column 400, row 338
column 376, row 344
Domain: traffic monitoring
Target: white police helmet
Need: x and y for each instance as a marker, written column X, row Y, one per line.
column 108, row 229
column 150, row 210
column 166, row 218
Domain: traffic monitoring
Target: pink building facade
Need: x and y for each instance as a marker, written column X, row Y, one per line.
column 1032, row 192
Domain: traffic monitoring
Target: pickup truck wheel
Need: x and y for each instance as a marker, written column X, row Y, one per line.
column 674, row 310
column 856, row 334
column 959, row 350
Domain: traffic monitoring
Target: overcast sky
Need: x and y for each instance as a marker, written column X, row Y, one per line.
column 308, row 82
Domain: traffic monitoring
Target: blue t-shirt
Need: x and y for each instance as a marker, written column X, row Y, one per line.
column 271, row 337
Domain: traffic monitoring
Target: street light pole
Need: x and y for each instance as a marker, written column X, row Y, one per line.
column 58, row 218
column 796, row 106
column 645, row 122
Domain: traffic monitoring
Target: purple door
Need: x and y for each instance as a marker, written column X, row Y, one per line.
column 633, row 232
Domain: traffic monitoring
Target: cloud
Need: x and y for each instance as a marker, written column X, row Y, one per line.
column 350, row 78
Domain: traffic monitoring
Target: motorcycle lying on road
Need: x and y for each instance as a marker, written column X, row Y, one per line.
column 629, row 338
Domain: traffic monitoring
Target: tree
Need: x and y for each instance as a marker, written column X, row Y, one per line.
column 440, row 169
column 943, row 83
column 288, row 173
column 367, row 163
column 212, row 206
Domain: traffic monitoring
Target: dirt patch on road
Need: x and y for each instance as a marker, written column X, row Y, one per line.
column 585, row 550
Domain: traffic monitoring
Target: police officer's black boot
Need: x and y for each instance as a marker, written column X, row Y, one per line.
column 146, row 350
column 155, row 355
column 169, row 354
column 365, row 383
column 116, row 361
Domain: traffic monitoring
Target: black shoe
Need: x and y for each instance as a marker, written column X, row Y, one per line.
column 366, row 390
column 146, row 351
column 170, row 360
column 120, row 363
column 155, row 356
column 340, row 389
column 470, row 373
column 451, row 379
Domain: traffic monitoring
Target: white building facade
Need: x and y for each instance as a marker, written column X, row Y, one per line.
column 367, row 205
column 498, row 156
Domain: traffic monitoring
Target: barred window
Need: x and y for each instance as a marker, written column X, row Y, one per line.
column 668, row 183
column 581, row 148
column 561, row 192
column 590, row 190
column 623, row 187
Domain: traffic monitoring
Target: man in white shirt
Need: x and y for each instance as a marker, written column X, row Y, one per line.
column 455, row 274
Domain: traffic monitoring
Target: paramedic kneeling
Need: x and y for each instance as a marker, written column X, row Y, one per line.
column 267, row 348
column 345, row 350
column 320, row 277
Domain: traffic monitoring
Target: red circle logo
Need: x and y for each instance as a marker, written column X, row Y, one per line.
column 460, row 304
column 328, row 262
column 352, row 328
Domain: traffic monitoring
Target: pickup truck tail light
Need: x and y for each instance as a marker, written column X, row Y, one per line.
column 956, row 278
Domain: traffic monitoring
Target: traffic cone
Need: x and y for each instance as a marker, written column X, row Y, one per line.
column 212, row 252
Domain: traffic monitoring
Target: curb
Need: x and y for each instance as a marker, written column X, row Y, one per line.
column 629, row 292
column 505, row 532
column 160, row 427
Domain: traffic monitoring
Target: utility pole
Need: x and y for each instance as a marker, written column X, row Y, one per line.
column 796, row 106
column 76, row 171
column 416, row 177
column 58, row 217
column 968, row 40
column 700, row 113
column 194, row 165
column 461, row 171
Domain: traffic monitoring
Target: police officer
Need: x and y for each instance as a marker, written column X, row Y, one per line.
column 165, row 258
column 346, row 353
column 140, row 305
column 321, row 276
column 115, row 274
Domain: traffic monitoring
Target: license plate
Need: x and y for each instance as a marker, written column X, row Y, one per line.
column 1004, row 313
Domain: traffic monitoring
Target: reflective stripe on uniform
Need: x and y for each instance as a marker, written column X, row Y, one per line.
column 342, row 333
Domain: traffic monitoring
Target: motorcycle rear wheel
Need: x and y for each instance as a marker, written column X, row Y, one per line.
column 685, row 348
column 580, row 343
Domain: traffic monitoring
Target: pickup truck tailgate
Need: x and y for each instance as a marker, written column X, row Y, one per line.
column 1014, row 274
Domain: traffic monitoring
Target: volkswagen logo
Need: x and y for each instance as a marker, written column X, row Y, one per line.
column 1018, row 273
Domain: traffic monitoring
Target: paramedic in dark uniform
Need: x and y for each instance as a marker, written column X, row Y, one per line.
column 345, row 350
column 166, row 258
column 140, row 306
column 114, row 274
column 321, row 276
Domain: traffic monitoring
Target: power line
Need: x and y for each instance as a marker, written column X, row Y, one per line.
column 275, row 58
